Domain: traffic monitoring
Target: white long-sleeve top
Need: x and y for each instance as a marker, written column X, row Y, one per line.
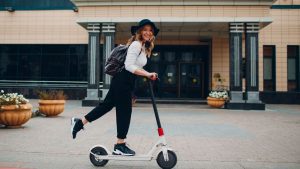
column 134, row 60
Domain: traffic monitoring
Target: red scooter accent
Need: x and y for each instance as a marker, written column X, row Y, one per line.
column 160, row 131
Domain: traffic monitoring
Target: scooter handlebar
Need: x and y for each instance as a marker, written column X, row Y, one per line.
column 156, row 78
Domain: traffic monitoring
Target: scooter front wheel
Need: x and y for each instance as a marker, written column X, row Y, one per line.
column 167, row 164
column 94, row 160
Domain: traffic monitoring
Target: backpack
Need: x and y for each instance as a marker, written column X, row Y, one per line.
column 115, row 62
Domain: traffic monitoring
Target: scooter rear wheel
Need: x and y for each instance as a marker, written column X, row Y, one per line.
column 94, row 160
column 167, row 164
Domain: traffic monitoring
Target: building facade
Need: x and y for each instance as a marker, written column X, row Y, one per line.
column 253, row 46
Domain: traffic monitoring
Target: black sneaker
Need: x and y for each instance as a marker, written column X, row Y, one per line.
column 122, row 149
column 77, row 125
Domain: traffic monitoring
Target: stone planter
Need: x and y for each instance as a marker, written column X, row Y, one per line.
column 51, row 107
column 215, row 102
column 14, row 116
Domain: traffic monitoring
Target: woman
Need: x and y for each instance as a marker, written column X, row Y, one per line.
column 122, row 85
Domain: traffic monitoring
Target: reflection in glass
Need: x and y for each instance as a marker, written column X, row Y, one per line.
column 269, row 72
column 155, row 57
column 30, row 67
column 170, row 56
column 293, row 68
column 268, row 68
column 170, row 75
column 9, row 67
column 187, row 56
column 190, row 80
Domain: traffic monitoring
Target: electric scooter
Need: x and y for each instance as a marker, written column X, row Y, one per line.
column 164, row 156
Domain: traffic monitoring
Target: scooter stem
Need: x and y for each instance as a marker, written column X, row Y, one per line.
column 160, row 130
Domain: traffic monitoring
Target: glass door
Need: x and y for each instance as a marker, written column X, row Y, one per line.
column 181, row 70
column 168, row 75
column 191, row 81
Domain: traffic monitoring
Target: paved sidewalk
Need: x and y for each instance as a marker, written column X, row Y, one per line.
column 203, row 138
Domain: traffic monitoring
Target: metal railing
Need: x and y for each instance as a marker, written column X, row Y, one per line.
column 45, row 84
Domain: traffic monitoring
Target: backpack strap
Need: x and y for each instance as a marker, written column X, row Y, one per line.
column 140, row 51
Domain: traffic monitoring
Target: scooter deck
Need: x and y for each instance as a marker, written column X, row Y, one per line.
column 124, row 158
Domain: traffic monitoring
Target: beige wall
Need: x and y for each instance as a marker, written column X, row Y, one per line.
column 285, row 30
column 174, row 11
column 287, row 2
column 41, row 27
column 220, row 59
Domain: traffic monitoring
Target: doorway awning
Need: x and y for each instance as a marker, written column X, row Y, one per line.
column 171, row 28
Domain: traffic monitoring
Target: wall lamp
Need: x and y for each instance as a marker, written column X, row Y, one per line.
column 75, row 9
column 10, row 9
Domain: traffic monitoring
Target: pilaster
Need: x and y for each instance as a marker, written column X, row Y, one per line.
column 92, row 98
column 252, row 73
column 108, row 30
column 235, row 44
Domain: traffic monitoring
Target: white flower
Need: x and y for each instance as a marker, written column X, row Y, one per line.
column 12, row 99
column 219, row 94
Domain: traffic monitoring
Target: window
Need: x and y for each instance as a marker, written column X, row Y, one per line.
column 43, row 62
column 269, row 68
column 293, row 68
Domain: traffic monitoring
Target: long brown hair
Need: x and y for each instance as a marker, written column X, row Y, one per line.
column 138, row 37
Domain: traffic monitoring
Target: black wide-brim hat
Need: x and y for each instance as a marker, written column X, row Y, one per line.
column 143, row 23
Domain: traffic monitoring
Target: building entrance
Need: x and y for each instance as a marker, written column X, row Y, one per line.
column 191, row 83
column 183, row 72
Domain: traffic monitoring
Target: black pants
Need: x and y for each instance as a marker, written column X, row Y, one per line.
column 119, row 96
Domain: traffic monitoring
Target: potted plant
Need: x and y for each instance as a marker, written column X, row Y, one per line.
column 51, row 102
column 219, row 95
column 217, row 98
column 15, row 109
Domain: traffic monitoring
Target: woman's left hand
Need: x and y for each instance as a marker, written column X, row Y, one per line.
column 153, row 76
